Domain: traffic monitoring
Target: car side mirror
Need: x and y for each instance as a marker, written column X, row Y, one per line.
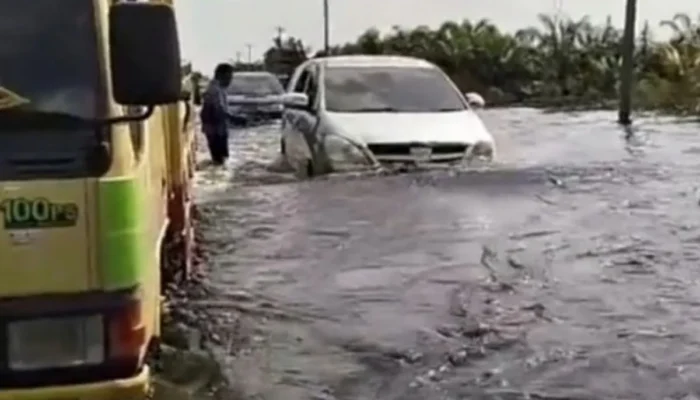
column 145, row 54
column 475, row 100
column 295, row 100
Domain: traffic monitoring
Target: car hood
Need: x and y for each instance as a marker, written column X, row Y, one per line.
column 441, row 127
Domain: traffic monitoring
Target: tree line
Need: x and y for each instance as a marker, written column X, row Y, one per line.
column 561, row 62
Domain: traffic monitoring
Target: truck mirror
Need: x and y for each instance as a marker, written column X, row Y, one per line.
column 145, row 54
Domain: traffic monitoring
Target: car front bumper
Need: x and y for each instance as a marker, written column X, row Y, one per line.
column 134, row 388
column 257, row 111
column 272, row 114
column 434, row 153
column 433, row 159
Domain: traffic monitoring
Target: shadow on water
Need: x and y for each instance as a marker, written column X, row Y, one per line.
column 568, row 270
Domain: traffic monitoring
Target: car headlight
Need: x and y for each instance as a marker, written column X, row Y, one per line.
column 481, row 149
column 342, row 153
column 55, row 342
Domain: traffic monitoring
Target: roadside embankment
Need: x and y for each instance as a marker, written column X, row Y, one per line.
column 185, row 366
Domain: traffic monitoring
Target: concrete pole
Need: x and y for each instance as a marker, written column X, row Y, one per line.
column 250, row 52
column 326, row 28
column 627, row 71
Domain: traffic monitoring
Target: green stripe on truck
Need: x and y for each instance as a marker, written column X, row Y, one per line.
column 122, row 233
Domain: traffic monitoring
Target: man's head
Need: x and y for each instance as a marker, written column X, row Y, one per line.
column 224, row 74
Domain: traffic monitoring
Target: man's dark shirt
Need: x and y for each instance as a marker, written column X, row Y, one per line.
column 214, row 113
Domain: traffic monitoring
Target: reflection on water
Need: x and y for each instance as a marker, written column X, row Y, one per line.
column 568, row 270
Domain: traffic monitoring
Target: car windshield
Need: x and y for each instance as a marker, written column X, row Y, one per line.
column 390, row 89
column 256, row 85
column 48, row 59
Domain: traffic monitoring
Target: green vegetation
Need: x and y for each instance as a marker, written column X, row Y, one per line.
column 564, row 62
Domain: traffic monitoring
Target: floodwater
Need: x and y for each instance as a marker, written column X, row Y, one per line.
column 569, row 270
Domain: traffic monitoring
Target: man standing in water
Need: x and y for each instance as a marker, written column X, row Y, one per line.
column 215, row 115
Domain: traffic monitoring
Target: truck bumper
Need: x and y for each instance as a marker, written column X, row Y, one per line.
column 135, row 388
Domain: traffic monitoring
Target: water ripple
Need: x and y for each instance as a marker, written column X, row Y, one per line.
column 566, row 271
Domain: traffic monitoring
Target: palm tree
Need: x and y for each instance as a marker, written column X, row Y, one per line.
column 685, row 30
column 562, row 56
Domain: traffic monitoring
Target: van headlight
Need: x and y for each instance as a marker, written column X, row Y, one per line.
column 344, row 154
column 55, row 342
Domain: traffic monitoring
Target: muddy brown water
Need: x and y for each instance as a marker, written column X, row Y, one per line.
column 569, row 270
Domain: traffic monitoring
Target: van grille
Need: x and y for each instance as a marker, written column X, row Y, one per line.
column 404, row 149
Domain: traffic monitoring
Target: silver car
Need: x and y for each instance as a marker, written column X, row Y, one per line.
column 255, row 95
column 347, row 113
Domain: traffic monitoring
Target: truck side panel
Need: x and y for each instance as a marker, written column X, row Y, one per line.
column 124, row 233
column 45, row 227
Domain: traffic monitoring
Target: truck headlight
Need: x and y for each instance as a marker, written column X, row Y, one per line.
column 343, row 154
column 56, row 342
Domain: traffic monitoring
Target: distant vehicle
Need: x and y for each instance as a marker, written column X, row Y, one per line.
column 256, row 95
column 353, row 112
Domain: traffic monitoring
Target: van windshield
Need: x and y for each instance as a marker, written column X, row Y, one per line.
column 49, row 56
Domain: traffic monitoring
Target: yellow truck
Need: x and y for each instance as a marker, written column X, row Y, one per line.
column 95, row 167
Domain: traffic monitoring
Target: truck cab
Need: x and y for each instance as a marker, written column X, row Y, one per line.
column 92, row 166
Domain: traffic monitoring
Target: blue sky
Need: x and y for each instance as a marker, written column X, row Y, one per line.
column 215, row 30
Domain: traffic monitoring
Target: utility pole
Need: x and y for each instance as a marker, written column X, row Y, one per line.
column 627, row 71
column 250, row 53
column 280, row 32
column 326, row 28
column 558, row 10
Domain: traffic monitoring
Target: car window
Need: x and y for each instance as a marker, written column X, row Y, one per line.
column 397, row 89
column 300, row 85
column 312, row 88
column 255, row 85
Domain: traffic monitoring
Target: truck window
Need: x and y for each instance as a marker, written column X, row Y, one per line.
column 50, row 57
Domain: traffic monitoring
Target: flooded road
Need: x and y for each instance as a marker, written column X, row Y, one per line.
column 568, row 271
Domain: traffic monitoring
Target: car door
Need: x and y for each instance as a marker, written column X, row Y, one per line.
column 308, row 124
column 291, row 139
column 299, row 123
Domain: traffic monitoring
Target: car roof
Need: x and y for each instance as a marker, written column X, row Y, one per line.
column 375, row 61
